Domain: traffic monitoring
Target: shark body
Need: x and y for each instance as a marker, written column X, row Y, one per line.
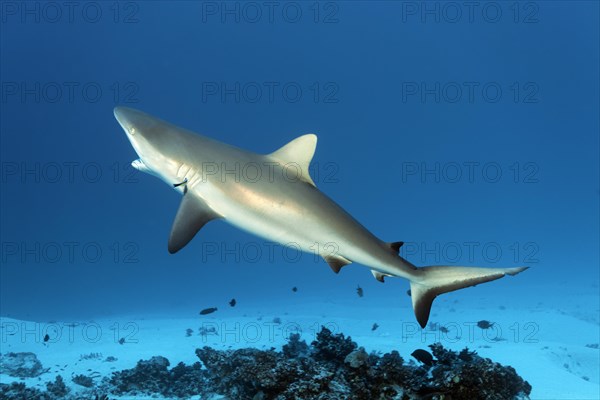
column 273, row 196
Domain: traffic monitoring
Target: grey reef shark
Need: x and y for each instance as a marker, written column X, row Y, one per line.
column 277, row 201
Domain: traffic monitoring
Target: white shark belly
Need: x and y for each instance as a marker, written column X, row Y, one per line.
column 290, row 223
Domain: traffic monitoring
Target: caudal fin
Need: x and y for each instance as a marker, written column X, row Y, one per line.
column 433, row 281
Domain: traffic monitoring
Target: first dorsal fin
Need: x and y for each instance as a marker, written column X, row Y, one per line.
column 298, row 154
column 192, row 215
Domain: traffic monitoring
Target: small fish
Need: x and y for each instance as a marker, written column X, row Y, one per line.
column 294, row 289
column 122, row 341
column 443, row 329
column 46, row 338
column 232, row 303
column 483, row 324
column 208, row 311
column 375, row 326
column 423, row 356
column 359, row 291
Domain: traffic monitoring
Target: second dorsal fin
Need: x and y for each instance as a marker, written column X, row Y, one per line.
column 395, row 246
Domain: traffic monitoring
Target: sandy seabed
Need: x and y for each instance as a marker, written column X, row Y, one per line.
column 555, row 350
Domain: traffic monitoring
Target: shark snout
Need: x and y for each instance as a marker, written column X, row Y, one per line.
column 148, row 137
column 127, row 118
column 136, row 125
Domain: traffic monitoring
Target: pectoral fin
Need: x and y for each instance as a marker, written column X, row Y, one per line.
column 192, row 215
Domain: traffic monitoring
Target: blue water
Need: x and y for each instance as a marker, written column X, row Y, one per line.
column 470, row 134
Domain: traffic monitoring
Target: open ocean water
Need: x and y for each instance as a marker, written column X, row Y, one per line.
column 469, row 131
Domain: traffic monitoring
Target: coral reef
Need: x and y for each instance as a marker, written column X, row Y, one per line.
column 83, row 380
column 90, row 356
column 295, row 347
column 154, row 376
column 465, row 375
column 58, row 387
column 332, row 348
column 54, row 391
column 332, row 367
column 21, row 365
column 18, row 391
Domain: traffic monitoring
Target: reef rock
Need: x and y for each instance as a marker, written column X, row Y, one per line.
column 295, row 347
column 21, row 365
column 332, row 347
column 358, row 358
column 56, row 390
column 154, row 377
column 333, row 367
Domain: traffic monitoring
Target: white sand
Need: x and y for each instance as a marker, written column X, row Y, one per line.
column 546, row 346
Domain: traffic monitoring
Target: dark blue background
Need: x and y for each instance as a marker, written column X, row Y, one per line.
column 366, row 58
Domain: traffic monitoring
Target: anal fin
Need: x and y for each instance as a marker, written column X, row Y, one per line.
column 336, row 262
column 192, row 215
column 380, row 276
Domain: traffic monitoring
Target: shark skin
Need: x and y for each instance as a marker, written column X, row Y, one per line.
column 273, row 196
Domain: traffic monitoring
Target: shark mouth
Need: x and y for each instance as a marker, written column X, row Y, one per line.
column 141, row 166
